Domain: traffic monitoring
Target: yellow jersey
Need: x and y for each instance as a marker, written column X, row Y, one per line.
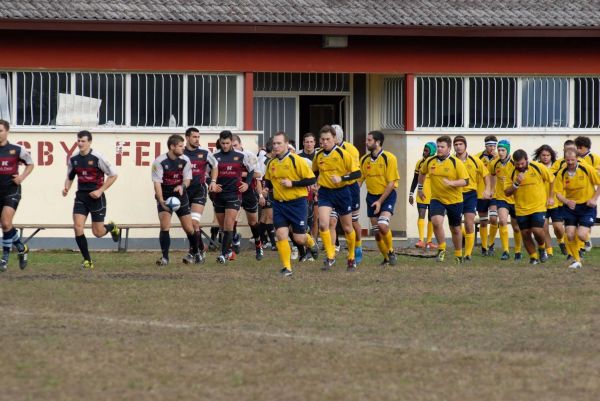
column 450, row 168
column 426, row 184
column 531, row 196
column 336, row 162
column 379, row 172
column 350, row 148
column 292, row 167
column 557, row 203
column 560, row 163
column 502, row 172
column 593, row 160
column 477, row 172
column 486, row 159
column 578, row 186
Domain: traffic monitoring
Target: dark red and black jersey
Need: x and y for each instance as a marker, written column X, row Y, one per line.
column 11, row 155
column 90, row 170
column 201, row 161
column 309, row 156
column 252, row 166
column 171, row 172
column 231, row 166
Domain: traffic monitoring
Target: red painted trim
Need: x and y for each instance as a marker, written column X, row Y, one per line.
column 294, row 28
column 248, row 101
column 409, row 111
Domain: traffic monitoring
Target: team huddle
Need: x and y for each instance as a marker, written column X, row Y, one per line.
column 300, row 197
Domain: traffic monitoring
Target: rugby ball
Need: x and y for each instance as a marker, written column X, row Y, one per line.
column 173, row 203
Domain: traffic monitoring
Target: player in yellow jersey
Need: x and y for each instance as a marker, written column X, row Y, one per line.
column 379, row 170
column 430, row 149
column 584, row 146
column 448, row 175
column 289, row 176
column 527, row 185
column 500, row 170
column 546, row 156
column 477, row 172
column 354, row 191
column 486, row 208
column 578, row 187
column 336, row 169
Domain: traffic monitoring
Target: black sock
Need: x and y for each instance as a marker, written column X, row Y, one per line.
column 109, row 227
column 226, row 243
column 83, row 246
column 301, row 250
column 271, row 233
column 214, row 231
column 263, row 232
column 337, row 240
column 193, row 242
column 165, row 243
column 199, row 242
column 235, row 227
column 7, row 243
column 255, row 233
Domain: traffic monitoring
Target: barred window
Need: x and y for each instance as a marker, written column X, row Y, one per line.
column 301, row 82
column 273, row 114
column 545, row 102
column 156, row 100
column 212, row 100
column 110, row 89
column 5, row 95
column 439, row 102
column 37, row 96
column 492, row 102
column 392, row 103
column 587, row 103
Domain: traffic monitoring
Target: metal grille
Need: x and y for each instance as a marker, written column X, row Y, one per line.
column 301, row 82
column 110, row 89
column 545, row 102
column 273, row 114
column 212, row 100
column 587, row 103
column 156, row 100
column 493, row 102
column 439, row 102
column 5, row 95
column 392, row 103
column 37, row 96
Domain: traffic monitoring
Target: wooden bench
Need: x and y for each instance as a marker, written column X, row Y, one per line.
column 123, row 243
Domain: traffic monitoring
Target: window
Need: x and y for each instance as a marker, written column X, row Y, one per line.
column 439, row 102
column 545, row 102
column 492, row 102
column 156, row 100
column 110, row 89
column 37, row 96
column 5, row 95
column 301, row 82
column 587, row 103
column 273, row 114
column 212, row 100
column 392, row 103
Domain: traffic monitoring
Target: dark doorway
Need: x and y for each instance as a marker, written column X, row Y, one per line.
column 317, row 111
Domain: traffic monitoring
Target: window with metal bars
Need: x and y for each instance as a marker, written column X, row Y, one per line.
column 37, row 96
column 587, row 102
column 301, row 82
column 5, row 95
column 212, row 100
column 157, row 100
column 273, row 114
column 439, row 102
column 545, row 102
column 392, row 103
column 110, row 89
column 493, row 102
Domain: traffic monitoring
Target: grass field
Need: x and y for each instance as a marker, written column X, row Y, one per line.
column 487, row 330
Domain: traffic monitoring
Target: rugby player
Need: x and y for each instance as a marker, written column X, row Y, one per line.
column 486, row 208
column 423, row 204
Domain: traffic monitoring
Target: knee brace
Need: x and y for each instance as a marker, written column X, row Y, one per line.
column 383, row 220
column 355, row 217
column 493, row 213
column 483, row 220
column 196, row 216
column 333, row 215
column 375, row 229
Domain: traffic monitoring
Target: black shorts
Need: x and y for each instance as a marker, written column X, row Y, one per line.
column 183, row 210
column 268, row 202
column 226, row 200
column 250, row 201
column 197, row 194
column 85, row 204
column 10, row 198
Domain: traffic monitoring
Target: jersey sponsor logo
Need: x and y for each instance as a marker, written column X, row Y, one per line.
column 236, row 158
column 200, row 156
column 12, row 152
column 90, row 162
column 180, row 166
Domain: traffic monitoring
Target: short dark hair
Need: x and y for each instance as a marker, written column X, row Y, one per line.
column 308, row 135
column 377, row 136
column 86, row 134
column 490, row 138
column 189, row 131
column 444, row 138
column 569, row 142
column 519, row 155
column 226, row 134
column 281, row 133
column 236, row 137
column 460, row 138
column 5, row 123
column 327, row 129
column 583, row 141
column 269, row 145
column 544, row 148
column 173, row 140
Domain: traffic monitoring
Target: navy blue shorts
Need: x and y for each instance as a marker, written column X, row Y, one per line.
column 454, row 211
column 85, row 204
column 483, row 205
column 183, row 210
column 555, row 214
column 533, row 220
column 355, row 193
column 470, row 202
column 505, row 205
column 226, row 200
column 338, row 199
column 422, row 205
column 387, row 205
column 291, row 213
column 197, row 194
column 583, row 215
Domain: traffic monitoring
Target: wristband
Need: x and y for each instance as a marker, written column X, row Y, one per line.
column 420, row 187
column 516, row 185
column 411, row 194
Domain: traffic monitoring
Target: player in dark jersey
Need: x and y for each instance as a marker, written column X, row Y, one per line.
column 11, row 155
column 202, row 160
column 250, row 198
column 267, row 229
column 171, row 175
column 90, row 168
column 228, row 188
